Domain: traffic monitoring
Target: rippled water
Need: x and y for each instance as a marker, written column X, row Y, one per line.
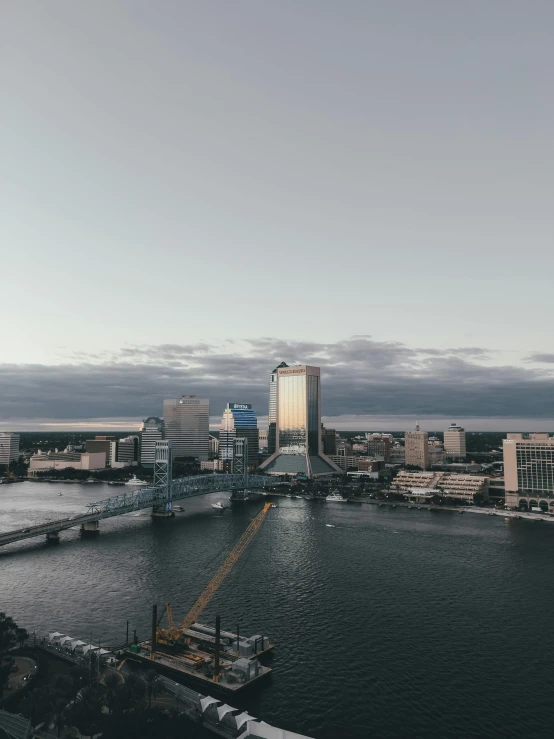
column 394, row 623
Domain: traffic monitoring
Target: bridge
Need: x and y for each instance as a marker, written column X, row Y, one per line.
column 158, row 497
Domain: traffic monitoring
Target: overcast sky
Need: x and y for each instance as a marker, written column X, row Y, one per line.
column 195, row 176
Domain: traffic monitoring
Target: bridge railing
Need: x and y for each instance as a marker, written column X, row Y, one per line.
column 182, row 487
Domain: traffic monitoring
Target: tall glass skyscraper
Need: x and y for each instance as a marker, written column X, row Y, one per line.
column 298, row 424
column 186, row 421
column 272, row 415
column 238, row 420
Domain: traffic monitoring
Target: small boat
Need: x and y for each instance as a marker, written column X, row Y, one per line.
column 335, row 497
column 218, row 506
column 330, row 525
column 135, row 481
column 273, row 505
column 60, row 494
column 288, row 495
column 178, row 508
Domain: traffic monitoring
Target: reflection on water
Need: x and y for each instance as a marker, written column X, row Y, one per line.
column 389, row 623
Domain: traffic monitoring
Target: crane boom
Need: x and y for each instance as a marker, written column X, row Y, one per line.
column 224, row 570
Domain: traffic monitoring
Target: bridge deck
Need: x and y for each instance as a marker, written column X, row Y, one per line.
column 138, row 499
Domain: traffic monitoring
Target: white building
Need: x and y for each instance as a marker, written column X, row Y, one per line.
column 442, row 483
column 151, row 432
column 455, row 441
column 187, row 422
column 263, row 439
column 214, row 446
column 61, row 461
column 9, row 447
column 214, row 465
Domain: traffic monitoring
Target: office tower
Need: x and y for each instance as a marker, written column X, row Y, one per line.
column 104, row 444
column 272, row 416
column 416, row 450
column 238, row 421
column 529, row 470
column 455, row 441
column 151, row 432
column 127, row 449
column 187, row 422
column 298, row 442
column 379, row 445
column 213, row 446
column 9, row 447
column 329, row 441
column 263, row 439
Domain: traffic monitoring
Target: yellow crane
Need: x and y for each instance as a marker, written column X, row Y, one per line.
column 172, row 634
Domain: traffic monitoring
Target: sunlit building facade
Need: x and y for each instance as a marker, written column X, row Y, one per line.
column 151, row 432
column 529, row 470
column 298, row 425
column 238, row 421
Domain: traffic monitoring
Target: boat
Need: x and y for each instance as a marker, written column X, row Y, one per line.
column 273, row 505
column 135, row 481
column 330, row 525
column 288, row 495
column 218, row 506
column 335, row 497
column 60, row 493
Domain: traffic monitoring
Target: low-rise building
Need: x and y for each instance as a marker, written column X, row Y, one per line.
column 41, row 462
column 463, row 487
column 214, row 465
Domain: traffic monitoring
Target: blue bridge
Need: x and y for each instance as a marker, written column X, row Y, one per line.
column 158, row 497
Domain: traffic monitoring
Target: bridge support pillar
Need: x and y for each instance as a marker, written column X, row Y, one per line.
column 162, row 511
column 53, row 537
column 90, row 528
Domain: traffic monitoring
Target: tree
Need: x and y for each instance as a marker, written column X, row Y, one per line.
column 111, row 682
column 8, row 639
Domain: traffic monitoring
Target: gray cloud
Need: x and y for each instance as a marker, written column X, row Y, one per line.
column 541, row 358
column 360, row 376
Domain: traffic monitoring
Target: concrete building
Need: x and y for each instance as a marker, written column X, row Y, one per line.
column 9, row 447
column 213, row 446
column 102, row 444
column 151, row 432
column 127, row 449
column 455, row 442
column 299, row 448
column 263, row 439
column 187, row 422
column 238, row 421
column 379, row 445
column 463, row 487
column 62, row 460
column 213, row 465
column 416, row 448
column 272, row 414
column 529, row 471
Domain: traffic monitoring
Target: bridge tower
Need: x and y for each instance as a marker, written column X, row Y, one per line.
column 163, row 464
column 240, row 466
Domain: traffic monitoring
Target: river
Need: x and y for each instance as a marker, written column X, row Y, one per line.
column 389, row 622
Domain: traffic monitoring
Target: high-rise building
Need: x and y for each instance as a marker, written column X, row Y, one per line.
column 455, row 441
column 416, row 450
column 299, row 448
column 127, row 449
column 213, row 446
column 187, row 422
column 272, row 415
column 100, row 444
column 529, row 470
column 238, row 421
column 263, row 439
column 379, row 445
column 329, row 441
column 9, row 447
column 151, row 432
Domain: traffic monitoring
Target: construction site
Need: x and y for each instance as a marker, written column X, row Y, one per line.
column 204, row 655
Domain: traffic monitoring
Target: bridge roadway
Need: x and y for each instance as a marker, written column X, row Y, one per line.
column 137, row 499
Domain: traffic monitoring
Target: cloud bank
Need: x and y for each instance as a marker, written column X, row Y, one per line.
column 360, row 376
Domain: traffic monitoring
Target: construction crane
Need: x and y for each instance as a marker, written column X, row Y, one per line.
column 171, row 635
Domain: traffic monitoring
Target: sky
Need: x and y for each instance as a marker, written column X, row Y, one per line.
column 193, row 191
